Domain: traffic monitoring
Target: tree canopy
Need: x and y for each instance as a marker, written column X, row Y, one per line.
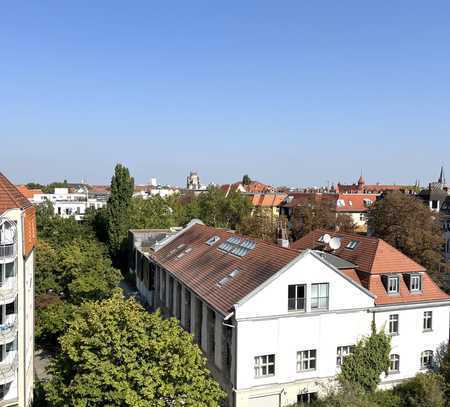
column 318, row 213
column 408, row 225
column 114, row 353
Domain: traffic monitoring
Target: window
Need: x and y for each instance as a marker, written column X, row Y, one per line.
column 394, row 364
column 319, row 296
column 320, row 239
column 393, row 324
column 306, row 360
column 426, row 359
column 352, row 244
column 296, row 297
column 363, row 217
column 415, row 283
column 11, row 308
column 264, row 365
column 393, row 285
column 428, row 320
column 211, row 241
column 306, row 398
column 342, row 352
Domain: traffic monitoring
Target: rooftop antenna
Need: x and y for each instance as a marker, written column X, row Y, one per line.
column 326, row 238
column 335, row 243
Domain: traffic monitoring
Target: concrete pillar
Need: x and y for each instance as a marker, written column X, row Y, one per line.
column 218, row 341
column 204, row 339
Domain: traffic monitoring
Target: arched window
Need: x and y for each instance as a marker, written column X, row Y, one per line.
column 394, row 363
column 426, row 359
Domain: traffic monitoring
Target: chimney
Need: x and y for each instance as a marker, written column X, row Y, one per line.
column 282, row 236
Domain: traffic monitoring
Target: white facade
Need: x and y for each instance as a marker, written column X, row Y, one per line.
column 68, row 204
column 265, row 332
column 17, row 312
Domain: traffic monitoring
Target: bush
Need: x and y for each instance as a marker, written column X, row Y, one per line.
column 424, row 390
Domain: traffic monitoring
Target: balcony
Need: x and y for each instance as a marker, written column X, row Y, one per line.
column 8, row 290
column 8, row 252
column 8, row 329
column 8, row 368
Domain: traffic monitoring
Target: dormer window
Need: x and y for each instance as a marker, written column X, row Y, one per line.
column 393, row 285
column 415, row 283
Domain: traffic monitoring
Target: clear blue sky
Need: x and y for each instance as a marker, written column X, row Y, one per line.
column 290, row 92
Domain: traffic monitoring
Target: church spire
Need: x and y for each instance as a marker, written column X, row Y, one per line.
column 441, row 179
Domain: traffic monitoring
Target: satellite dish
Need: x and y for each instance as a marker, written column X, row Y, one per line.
column 335, row 243
column 326, row 238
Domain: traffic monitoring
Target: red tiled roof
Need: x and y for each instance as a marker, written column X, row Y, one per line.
column 10, row 196
column 266, row 200
column 372, row 255
column 202, row 268
column 28, row 193
column 355, row 202
column 373, row 258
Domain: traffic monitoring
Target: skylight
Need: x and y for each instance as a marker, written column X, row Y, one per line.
column 212, row 240
column 352, row 244
column 320, row 239
column 237, row 246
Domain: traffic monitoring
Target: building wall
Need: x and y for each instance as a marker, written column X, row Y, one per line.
column 25, row 313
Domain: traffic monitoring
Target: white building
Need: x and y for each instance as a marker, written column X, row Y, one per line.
column 68, row 204
column 17, row 242
column 274, row 322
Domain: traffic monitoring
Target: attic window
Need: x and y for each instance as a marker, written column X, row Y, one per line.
column 393, row 285
column 415, row 283
column 212, row 240
column 340, row 202
column 238, row 247
column 181, row 246
column 352, row 245
column 350, row 203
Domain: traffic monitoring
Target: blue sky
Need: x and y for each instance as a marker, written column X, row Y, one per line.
column 291, row 92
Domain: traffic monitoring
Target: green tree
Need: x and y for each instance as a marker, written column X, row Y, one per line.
column 424, row 390
column 151, row 213
column 369, row 359
column 259, row 225
column 246, row 180
column 319, row 213
column 115, row 353
column 408, row 225
column 122, row 187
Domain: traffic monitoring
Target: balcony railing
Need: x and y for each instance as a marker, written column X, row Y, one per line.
column 8, row 289
column 8, row 368
column 8, row 329
column 7, row 252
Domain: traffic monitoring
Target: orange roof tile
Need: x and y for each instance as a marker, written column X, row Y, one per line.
column 10, row 196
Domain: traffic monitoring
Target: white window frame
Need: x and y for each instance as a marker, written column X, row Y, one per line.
column 396, row 287
column 320, row 297
column 394, row 363
column 296, row 299
column 307, row 357
column 426, row 359
column 394, row 319
column 427, row 320
column 342, row 352
column 263, row 365
column 415, row 283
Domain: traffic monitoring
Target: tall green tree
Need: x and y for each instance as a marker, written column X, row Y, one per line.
column 408, row 225
column 259, row 225
column 122, row 187
column 115, row 353
column 369, row 359
column 246, row 180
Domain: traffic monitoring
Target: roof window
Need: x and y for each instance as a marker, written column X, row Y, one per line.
column 212, row 240
column 352, row 244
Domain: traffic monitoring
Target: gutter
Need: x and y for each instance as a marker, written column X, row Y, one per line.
column 417, row 304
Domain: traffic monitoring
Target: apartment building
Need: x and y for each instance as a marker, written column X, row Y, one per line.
column 17, row 242
column 275, row 323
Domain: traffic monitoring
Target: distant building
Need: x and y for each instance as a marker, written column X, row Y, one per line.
column 355, row 205
column 67, row 204
column 362, row 187
column 17, row 257
column 193, row 181
column 254, row 187
column 268, row 203
column 276, row 323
